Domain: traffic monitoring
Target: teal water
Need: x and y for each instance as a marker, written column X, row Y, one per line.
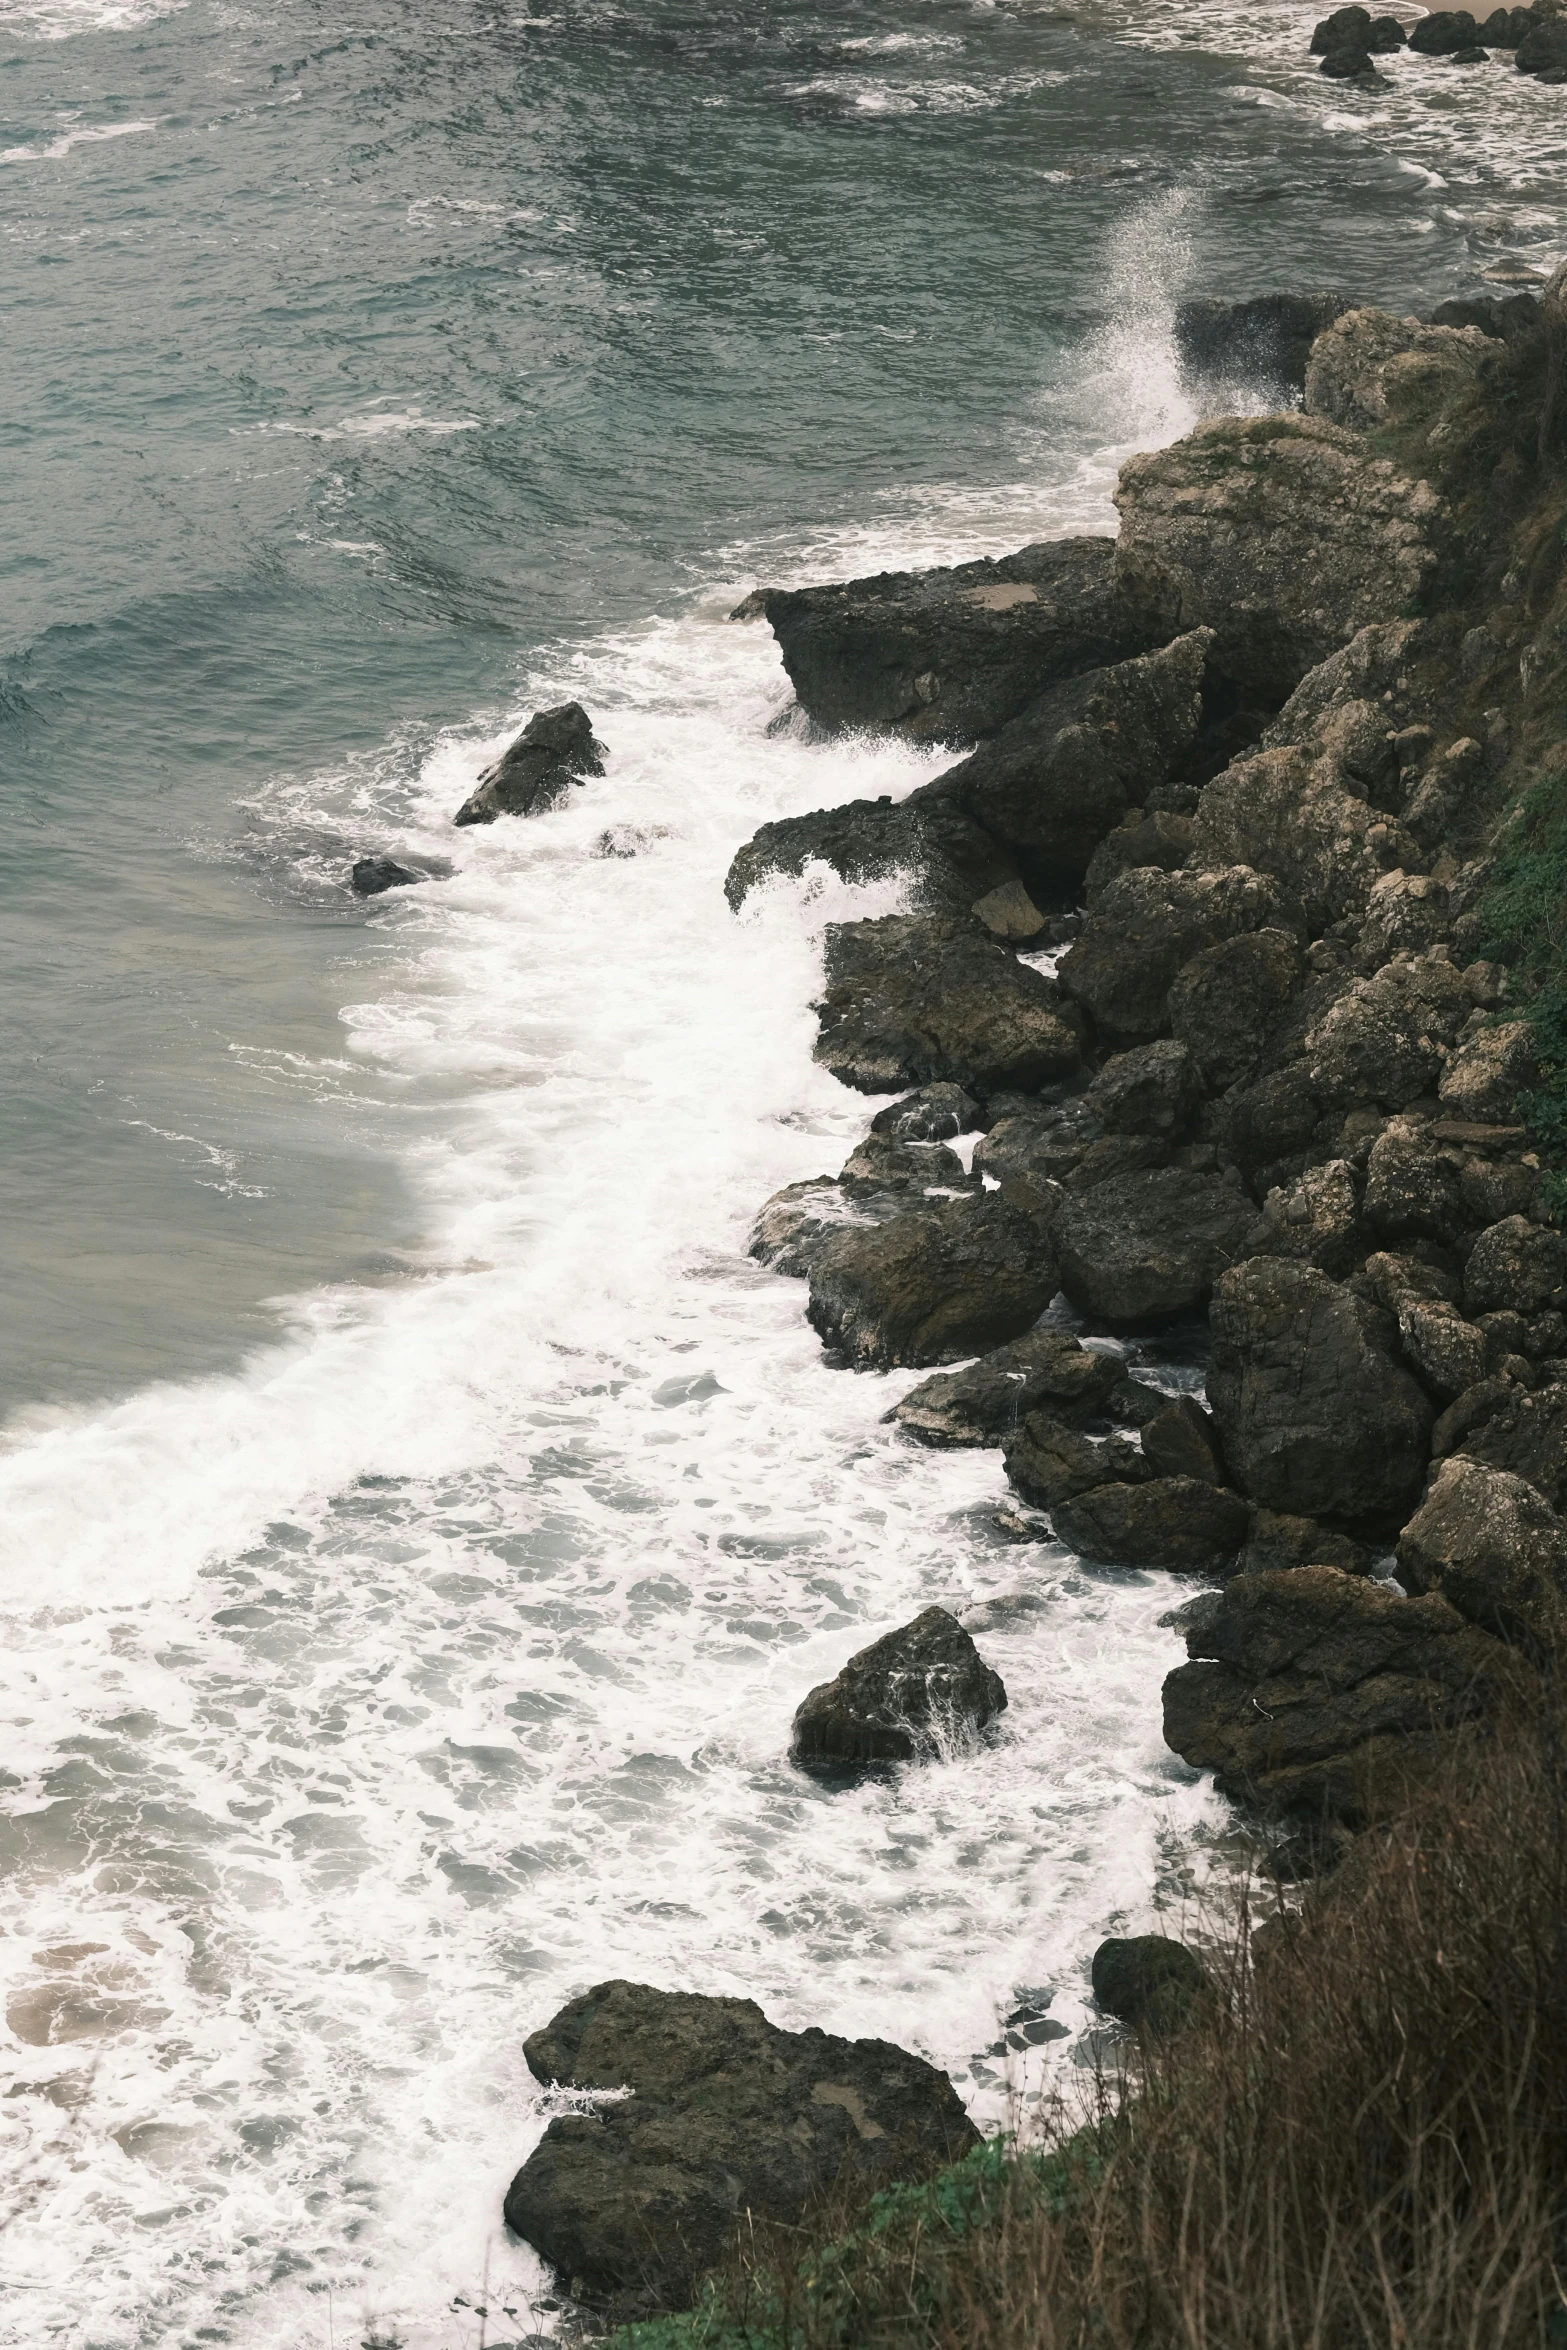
column 418, row 1520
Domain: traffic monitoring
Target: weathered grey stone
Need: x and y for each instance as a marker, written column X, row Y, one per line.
column 936, row 1286
column 1152, row 1089
column 934, row 1114
column 730, row 2119
column 1143, row 837
column 1225, row 1003
column 1050, row 1462
column 948, row 860
column 1516, row 1265
column 1482, row 1079
column 880, row 1163
column 1182, row 1524
column 917, row 999
column 1278, row 1540
column 914, row 1692
column 1494, row 1548
column 1317, row 1218
column 1415, row 1185
column 986, row 1401
column 1369, row 368
column 1522, row 1433
column 795, row 1225
column 1448, row 1352
column 1182, row 1441
column 1145, row 928
column 1386, row 1038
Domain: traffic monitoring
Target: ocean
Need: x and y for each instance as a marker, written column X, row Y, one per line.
column 418, row 1517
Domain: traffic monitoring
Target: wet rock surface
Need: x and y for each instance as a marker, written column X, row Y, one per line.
column 914, row 999
column 989, row 1400
column 1183, row 1524
column 555, row 750
column 728, row 2115
column 917, row 1691
column 1152, row 1243
column 934, row 1286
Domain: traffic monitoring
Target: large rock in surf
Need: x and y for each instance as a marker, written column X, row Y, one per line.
column 934, row 1287
column 950, row 861
column 919, row 997
column 729, row 2118
column 1147, row 925
column 1283, row 534
column 1152, row 1243
column 1315, row 1415
column 372, row 876
column 1261, row 344
column 911, row 1694
column 555, row 750
column 1317, row 1692
column 1055, row 779
column 1495, row 1549
column 949, row 656
column 985, row 1402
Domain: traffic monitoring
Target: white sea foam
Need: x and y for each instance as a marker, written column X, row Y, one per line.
column 442, row 1662
column 80, row 135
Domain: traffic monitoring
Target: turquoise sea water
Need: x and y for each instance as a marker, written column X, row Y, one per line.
column 418, row 1520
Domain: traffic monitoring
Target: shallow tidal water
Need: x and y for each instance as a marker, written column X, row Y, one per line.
column 418, row 1519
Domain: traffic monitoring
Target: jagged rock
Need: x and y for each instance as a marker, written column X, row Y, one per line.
column 1483, row 1076
column 1344, row 28
column 1493, row 1548
column 1525, row 1435
column 1182, row 1441
column 1315, row 1416
column 730, row 2120
column 934, row 1114
column 1144, row 1245
column 1279, row 1540
column 1517, row 1266
column 1505, row 317
column 1386, row 1038
column 1415, row 1185
column 985, row 1402
column 1284, row 534
column 1369, row 368
column 1152, row 1089
column 881, row 1164
column 1448, row 1352
column 373, row 875
column 949, row 860
column 911, row 1693
column 936, row 1286
column 1405, row 914
column 1226, row 1001
column 1146, row 1980
column 1143, row 837
column 949, row 656
column 1181, row 1524
column 1042, row 1144
column 1051, row 1463
column 1315, row 1691
column 555, row 750
column 914, row 999
column 1145, row 928
column 1054, row 780
column 795, row 1225
column 1261, row 344
column 1317, row 1218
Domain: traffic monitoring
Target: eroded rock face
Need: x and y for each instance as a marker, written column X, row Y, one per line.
column 1315, row 1415
column 1225, row 1003
column 1147, row 925
column 1257, row 345
column 1385, row 1039
column 949, row 861
column 1182, row 1524
column 1281, row 533
column 1369, row 368
column 1152, row 1243
column 916, row 999
column 914, row 1692
column 1481, row 1080
column 950, row 656
column 1056, row 778
column 555, row 750
column 728, row 2115
column 1319, row 1692
column 1317, row 1218
column 987, row 1401
column 1494, row 1548
column 934, row 1287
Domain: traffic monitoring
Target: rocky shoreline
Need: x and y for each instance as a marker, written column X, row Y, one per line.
column 1208, row 963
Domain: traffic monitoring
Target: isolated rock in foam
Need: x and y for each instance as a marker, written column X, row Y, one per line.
column 555, row 750
column 911, row 1693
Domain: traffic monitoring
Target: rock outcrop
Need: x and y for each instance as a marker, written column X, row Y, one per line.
column 1145, row 928
column 920, row 1691
column 555, row 750
column 1369, row 368
column 728, row 2117
column 912, row 999
column 1494, row 1548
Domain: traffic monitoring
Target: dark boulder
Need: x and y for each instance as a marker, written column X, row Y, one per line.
column 950, row 656
column 730, row 2119
column 1144, row 929
column 1386, row 36
column 1152, row 1089
column 1055, row 779
column 1525, row 1435
column 1517, row 1266
column 1344, row 28
column 796, row 1224
column 1142, row 1246
column 1044, row 1142
column 1481, row 1081
column 1445, row 30
column 949, row 860
column 1143, row 837
column 985, row 1402
column 1543, row 49
column 555, row 750
column 914, row 999
column 1146, row 1980
column 1324, row 1693
column 936, row 1286
column 1225, row 1003
column 1260, row 344
column 1493, row 1547
column 1316, row 1218
column 914, row 1693
column 1315, row 1415
column 1348, row 65
column 1278, row 1540
column 1050, row 1462
column 934, row 1114
column 1508, row 318
column 1415, row 1186
column 1386, row 1037
column 882, row 1164
column 1182, row 1524
column 372, row 875
column 1182, row 1441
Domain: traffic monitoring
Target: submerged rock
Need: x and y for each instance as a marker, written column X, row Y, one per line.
column 729, row 2118
column 935, row 1286
column 985, row 1402
column 950, row 656
column 914, row 1692
column 913, row 999
column 372, row 875
column 555, row 750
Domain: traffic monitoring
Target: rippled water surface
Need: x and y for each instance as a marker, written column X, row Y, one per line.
column 418, row 1519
